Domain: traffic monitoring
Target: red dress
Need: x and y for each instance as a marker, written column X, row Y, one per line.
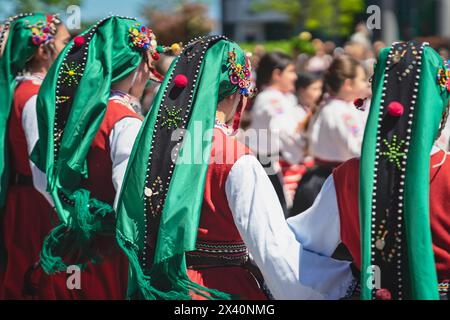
column 218, row 238
column 107, row 280
column 346, row 180
column 28, row 216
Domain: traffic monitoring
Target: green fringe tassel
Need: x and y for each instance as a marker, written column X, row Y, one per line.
column 88, row 219
column 51, row 263
column 168, row 274
column 89, row 213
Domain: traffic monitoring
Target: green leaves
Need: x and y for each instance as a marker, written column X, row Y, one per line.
column 330, row 17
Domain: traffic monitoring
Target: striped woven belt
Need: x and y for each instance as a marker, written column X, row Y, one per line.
column 217, row 253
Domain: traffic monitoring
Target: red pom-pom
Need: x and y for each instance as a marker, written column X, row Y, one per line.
column 78, row 41
column 155, row 56
column 181, row 81
column 396, row 109
column 383, row 294
column 358, row 103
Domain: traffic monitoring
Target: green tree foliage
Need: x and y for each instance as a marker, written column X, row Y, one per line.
column 330, row 17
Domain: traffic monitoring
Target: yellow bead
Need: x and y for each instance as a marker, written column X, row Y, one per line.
column 175, row 46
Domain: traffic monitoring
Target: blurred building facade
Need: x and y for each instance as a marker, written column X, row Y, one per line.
column 409, row 19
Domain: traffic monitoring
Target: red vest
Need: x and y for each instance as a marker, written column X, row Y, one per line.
column 216, row 225
column 99, row 161
column 16, row 136
column 346, row 180
column 218, row 237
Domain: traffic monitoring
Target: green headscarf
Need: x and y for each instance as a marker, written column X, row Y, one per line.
column 70, row 108
column 18, row 50
column 406, row 114
column 161, row 200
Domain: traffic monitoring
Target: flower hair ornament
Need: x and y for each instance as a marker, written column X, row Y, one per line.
column 142, row 38
column 44, row 31
column 240, row 75
column 443, row 76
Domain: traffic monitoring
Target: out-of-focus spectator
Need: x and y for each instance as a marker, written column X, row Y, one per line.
column 361, row 36
column 321, row 60
column 258, row 52
column 329, row 47
column 309, row 87
column 336, row 131
column 356, row 51
column 275, row 118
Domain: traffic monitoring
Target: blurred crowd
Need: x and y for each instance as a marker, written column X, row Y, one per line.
column 310, row 112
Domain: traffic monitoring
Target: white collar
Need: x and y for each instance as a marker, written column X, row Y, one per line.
column 38, row 77
column 126, row 99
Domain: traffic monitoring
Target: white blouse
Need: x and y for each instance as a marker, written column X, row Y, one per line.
column 275, row 118
column 337, row 131
column 121, row 142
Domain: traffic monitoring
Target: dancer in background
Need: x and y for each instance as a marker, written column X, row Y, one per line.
column 30, row 43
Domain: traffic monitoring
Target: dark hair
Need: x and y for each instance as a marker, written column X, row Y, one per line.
column 305, row 79
column 341, row 69
column 268, row 63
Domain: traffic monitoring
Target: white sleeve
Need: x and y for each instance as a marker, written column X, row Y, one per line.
column 350, row 133
column 30, row 127
column 121, row 142
column 318, row 229
column 271, row 243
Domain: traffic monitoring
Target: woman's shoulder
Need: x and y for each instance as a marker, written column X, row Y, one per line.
column 268, row 95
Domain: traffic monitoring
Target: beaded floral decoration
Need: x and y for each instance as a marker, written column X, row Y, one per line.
column 143, row 38
column 240, row 75
column 444, row 76
column 44, row 31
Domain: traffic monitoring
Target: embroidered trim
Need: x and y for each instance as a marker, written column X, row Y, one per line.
column 235, row 252
column 395, row 151
column 217, row 247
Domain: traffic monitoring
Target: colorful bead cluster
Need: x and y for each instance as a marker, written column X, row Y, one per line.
column 143, row 38
column 43, row 32
column 444, row 76
column 240, row 75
